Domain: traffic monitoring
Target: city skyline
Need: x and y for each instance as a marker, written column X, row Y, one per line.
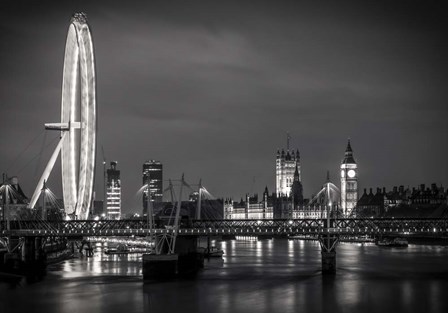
column 214, row 98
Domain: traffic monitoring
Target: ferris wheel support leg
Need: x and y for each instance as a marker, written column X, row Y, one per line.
column 46, row 173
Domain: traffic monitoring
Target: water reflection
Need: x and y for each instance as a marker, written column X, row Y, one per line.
column 253, row 276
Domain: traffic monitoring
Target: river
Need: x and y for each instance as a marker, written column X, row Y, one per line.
column 276, row 275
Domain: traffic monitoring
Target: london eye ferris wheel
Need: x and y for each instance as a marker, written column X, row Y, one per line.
column 78, row 124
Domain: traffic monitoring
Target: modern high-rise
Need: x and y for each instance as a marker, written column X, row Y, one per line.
column 286, row 165
column 113, row 192
column 152, row 175
column 349, row 181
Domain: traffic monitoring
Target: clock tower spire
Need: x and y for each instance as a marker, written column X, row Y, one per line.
column 349, row 181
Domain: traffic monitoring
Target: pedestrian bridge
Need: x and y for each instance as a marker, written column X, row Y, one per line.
column 346, row 226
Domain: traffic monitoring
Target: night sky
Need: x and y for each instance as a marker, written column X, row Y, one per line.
column 210, row 89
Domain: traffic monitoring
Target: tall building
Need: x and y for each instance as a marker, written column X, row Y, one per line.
column 286, row 164
column 113, row 192
column 297, row 189
column 349, row 181
column 152, row 175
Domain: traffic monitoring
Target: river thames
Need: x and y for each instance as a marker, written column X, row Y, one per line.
column 276, row 275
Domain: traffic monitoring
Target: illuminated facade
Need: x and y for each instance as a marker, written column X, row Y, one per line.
column 78, row 122
column 153, row 175
column 349, row 181
column 286, row 164
column 113, row 192
column 252, row 208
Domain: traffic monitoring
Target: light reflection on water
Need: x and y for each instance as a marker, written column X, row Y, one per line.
column 253, row 276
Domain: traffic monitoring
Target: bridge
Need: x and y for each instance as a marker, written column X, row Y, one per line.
column 346, row 226
column 166, row 252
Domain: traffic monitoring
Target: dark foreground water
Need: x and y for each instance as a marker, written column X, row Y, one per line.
column 254, row 276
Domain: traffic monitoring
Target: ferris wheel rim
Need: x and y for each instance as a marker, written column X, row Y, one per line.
column 79, row 147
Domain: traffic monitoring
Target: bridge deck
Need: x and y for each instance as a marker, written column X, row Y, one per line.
column 355, row 227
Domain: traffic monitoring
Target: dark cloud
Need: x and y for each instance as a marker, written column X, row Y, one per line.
column 211, row 87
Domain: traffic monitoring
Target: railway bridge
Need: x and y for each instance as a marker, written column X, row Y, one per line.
column 328, row 231
column 409, row 227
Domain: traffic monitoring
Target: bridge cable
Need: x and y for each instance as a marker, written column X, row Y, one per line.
column 19, row 155
column 37, row 155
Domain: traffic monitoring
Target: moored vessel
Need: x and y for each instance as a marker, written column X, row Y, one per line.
column 396, row 242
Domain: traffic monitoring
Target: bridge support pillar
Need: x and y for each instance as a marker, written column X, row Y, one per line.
column 32, row 250
column 29, row 250
column 159, row 266
column 186, row 260
column 190, row 260
column 328, row 262
column 38, row 249
column 328, row 245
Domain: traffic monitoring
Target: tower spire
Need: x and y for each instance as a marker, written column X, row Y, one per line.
column 296, row 174
column 288, row 137
column 349, row 147
column 348, row 157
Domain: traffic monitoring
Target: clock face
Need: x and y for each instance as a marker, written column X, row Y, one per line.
column 351, row 173
column 342, row 173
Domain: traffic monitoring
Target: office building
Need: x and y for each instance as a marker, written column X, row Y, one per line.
column 113, row 192
column 152, row 175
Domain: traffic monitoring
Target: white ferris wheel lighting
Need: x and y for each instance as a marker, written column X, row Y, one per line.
column 78, row 122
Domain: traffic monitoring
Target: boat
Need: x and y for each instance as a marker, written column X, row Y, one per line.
column 302, row 237
column 214, row 252
column 124, row 249
column 120, row 249
column 396, row 242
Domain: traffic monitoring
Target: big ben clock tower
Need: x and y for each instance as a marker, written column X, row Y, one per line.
column 349, row 181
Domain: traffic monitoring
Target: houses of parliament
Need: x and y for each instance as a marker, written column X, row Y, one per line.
column 288, row 202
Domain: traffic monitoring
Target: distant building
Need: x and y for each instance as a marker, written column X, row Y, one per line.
column 12, row 199
column 98, row 208
column 370, row 204
column 282, row 207
column 153, row 175
column 211, row 209
column 349, row 181
column 404, row 202
column 287, row 163
column 396, row 197
column 426, row 196
column 113, row 192
column 251, row 208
